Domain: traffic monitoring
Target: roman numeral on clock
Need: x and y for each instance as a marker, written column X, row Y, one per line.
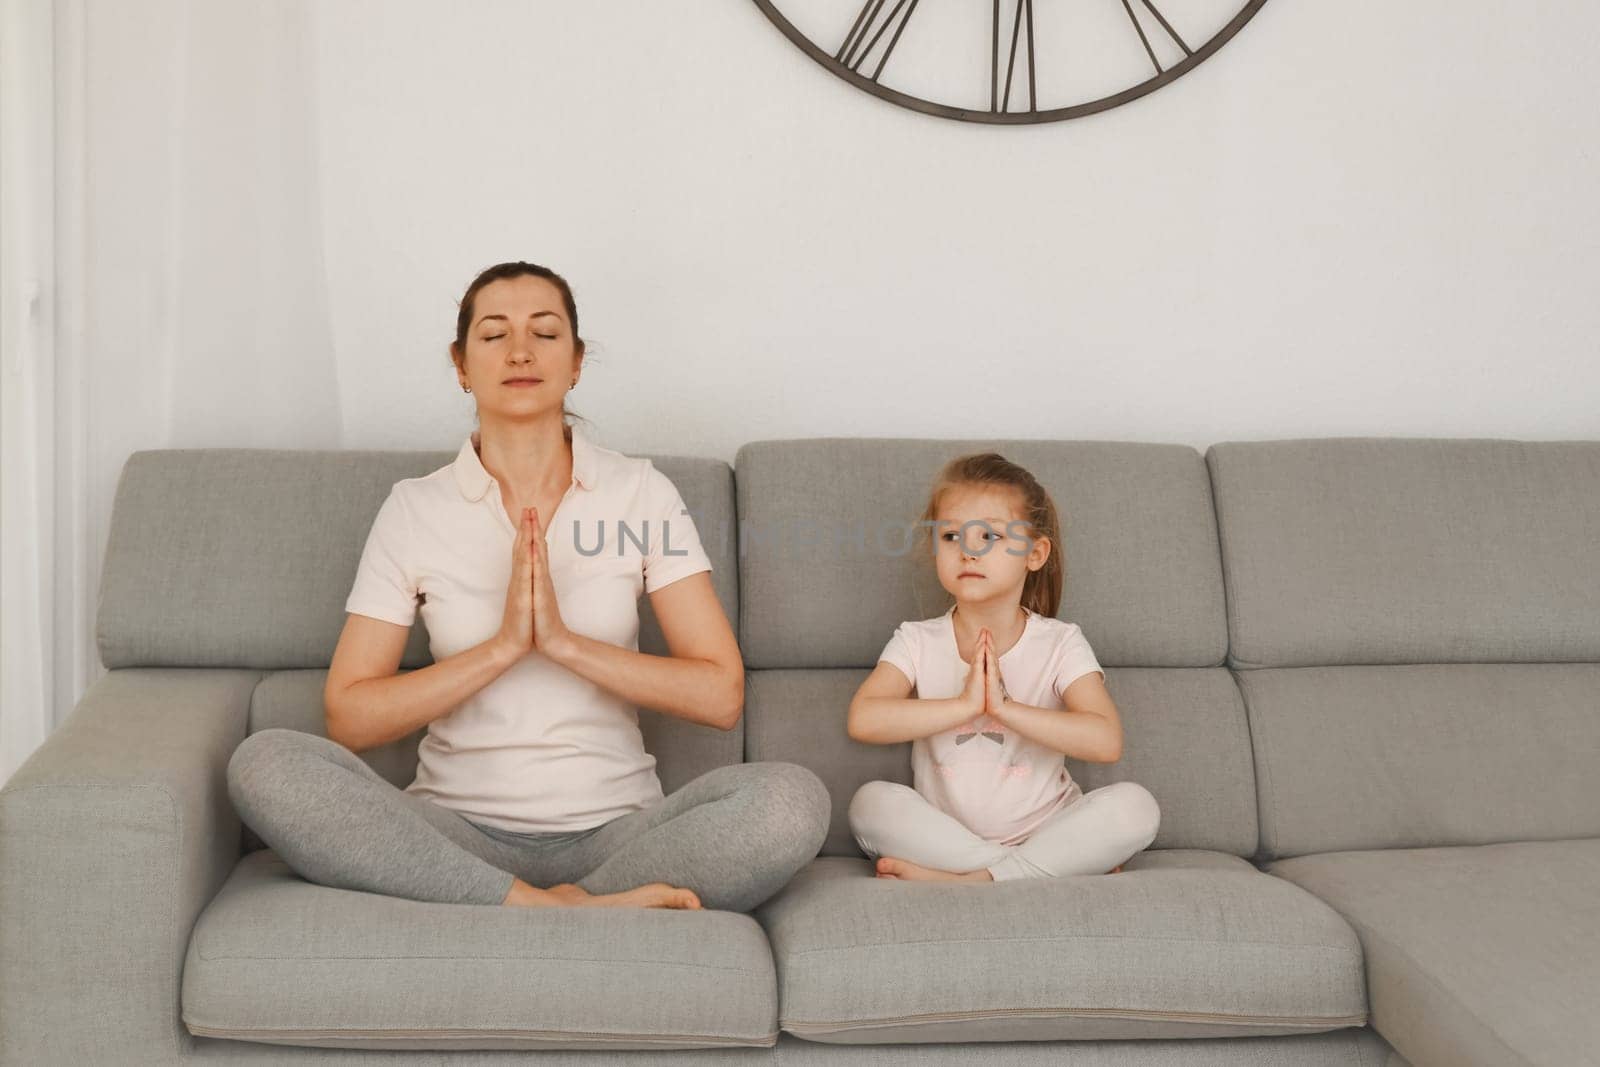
column 1144, row 40
column 996, row 101
column 851, row 53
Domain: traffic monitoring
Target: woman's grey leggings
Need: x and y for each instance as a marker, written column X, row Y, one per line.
column 735, row 835
column 1091, row 835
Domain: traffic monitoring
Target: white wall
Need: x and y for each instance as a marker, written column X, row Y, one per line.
column 1357, row 218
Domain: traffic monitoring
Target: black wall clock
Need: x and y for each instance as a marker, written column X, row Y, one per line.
column 1004, row 62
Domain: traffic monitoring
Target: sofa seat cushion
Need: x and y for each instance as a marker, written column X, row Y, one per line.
column 1478, row 954
column 276, row 958
column 1180, row 943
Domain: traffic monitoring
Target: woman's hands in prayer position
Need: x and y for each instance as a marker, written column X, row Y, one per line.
column 549, row 631
column 532, row 617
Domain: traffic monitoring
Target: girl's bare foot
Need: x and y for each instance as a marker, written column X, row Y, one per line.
column 890, row 867
column 652, row 895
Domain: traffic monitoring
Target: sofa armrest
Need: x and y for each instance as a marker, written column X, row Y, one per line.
column 114, row 835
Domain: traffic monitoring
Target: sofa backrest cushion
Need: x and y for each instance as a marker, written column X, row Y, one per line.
column 825, row 577
column 1409, row 550
column 237, row 557
column 1416, row 627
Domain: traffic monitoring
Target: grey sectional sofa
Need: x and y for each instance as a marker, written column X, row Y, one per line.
column 1361, row 676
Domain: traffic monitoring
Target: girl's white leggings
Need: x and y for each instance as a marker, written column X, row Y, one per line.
column 1091, row 835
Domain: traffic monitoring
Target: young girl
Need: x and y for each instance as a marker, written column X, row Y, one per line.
column 1003, row 691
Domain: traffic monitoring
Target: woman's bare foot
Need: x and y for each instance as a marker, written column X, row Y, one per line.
column 890, row 867
column 651, row 895
column 570, row 893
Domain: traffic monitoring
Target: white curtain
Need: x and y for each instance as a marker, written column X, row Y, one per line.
column 175, row 141
column 27, row 408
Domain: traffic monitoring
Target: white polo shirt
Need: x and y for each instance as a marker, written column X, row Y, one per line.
column 540, row 748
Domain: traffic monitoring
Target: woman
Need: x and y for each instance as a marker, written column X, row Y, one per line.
column 533, row 786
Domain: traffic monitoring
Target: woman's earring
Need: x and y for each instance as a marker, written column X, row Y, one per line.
column 466, row 388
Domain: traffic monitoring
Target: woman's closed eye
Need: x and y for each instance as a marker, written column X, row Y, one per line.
column 547, row 336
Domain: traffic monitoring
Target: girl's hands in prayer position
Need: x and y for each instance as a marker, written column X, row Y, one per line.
column 972, row 694
column 994, row 692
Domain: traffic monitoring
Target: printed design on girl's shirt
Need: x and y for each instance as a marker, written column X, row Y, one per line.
column 997, row 735
column 992, row 730
column 1006, row 770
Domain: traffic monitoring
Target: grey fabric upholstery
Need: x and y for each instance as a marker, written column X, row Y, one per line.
column 1409, row 550
column 240, row 557
column 1415, row 625
column 114, row 836
column 1350, row 1047
column 276, row 958
column 1183, row 945
column 1427, row 754
column 1479, row 956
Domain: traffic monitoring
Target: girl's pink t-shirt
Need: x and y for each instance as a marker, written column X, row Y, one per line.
column 998, row 783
